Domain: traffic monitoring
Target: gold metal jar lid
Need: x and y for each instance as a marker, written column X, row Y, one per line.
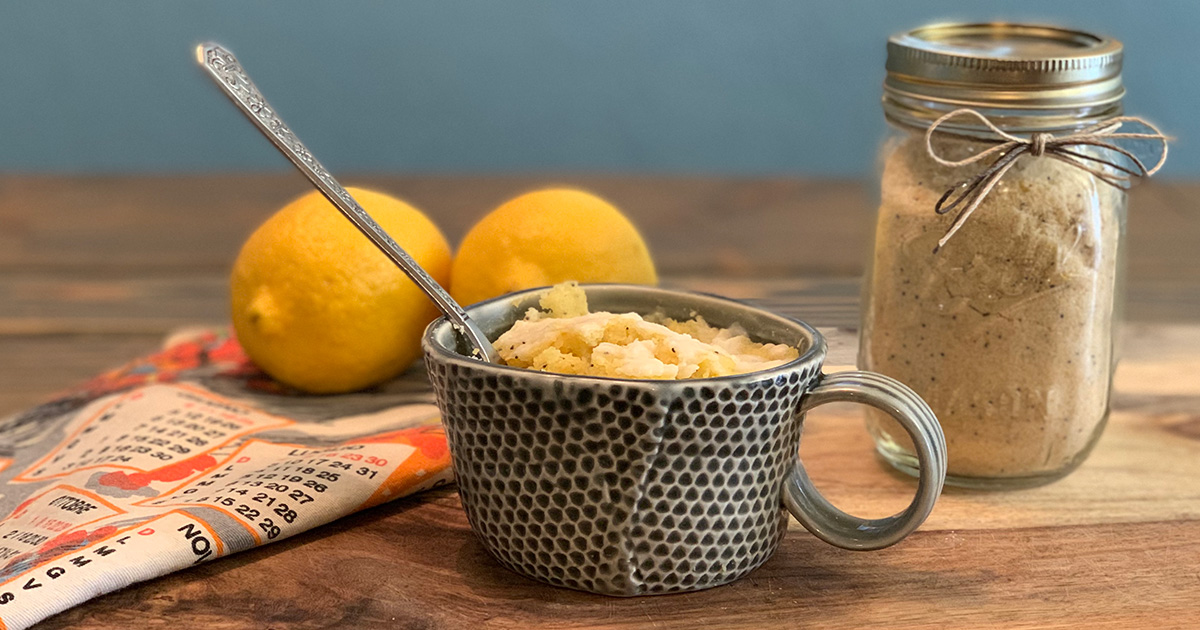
column 1003, row 65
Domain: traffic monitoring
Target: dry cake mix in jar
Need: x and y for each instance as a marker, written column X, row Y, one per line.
column 994, row 289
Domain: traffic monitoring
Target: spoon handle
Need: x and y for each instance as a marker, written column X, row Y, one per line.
column 233, row 80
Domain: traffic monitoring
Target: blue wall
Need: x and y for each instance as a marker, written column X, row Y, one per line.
column 746, row 86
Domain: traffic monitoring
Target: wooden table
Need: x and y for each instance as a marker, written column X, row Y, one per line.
column 96, row 270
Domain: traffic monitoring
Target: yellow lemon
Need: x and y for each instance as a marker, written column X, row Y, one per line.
column 318, row 307
column 546, row 237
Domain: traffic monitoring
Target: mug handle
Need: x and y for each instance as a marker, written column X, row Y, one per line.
column 838, row 528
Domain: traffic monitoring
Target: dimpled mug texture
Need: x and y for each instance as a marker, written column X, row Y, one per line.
column 624, row 487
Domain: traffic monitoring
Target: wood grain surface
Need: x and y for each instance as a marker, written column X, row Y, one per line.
column 96, row 270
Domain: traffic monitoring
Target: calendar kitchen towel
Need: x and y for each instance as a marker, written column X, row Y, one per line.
column 186, row 456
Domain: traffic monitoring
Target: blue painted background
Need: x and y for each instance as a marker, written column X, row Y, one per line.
column 691, row 86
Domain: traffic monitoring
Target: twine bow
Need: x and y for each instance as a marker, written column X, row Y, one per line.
column 1009, row 148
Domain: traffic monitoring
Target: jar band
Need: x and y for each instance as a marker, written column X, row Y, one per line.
column 972, row 191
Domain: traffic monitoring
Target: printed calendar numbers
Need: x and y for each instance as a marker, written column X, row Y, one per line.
column 276, row 490
column 151, row 428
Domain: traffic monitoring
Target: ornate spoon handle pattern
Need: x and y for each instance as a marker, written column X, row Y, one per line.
column 233, row 80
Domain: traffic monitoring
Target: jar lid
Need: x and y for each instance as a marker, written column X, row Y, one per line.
column 1017, row 66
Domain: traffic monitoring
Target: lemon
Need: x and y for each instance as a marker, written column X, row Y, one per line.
column 547, row 237
column 318, row 307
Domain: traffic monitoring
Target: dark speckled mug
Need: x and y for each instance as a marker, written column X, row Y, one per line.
column 632, row 487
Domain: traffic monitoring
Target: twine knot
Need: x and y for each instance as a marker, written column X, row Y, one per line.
column 1037, row 143
column 1114, row 172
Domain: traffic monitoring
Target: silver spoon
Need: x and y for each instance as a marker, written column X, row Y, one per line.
column 233, row 80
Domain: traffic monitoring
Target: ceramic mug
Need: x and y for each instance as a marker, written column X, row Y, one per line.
column 631, row 487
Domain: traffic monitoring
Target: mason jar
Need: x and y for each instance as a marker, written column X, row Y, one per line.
column 1008, row 329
